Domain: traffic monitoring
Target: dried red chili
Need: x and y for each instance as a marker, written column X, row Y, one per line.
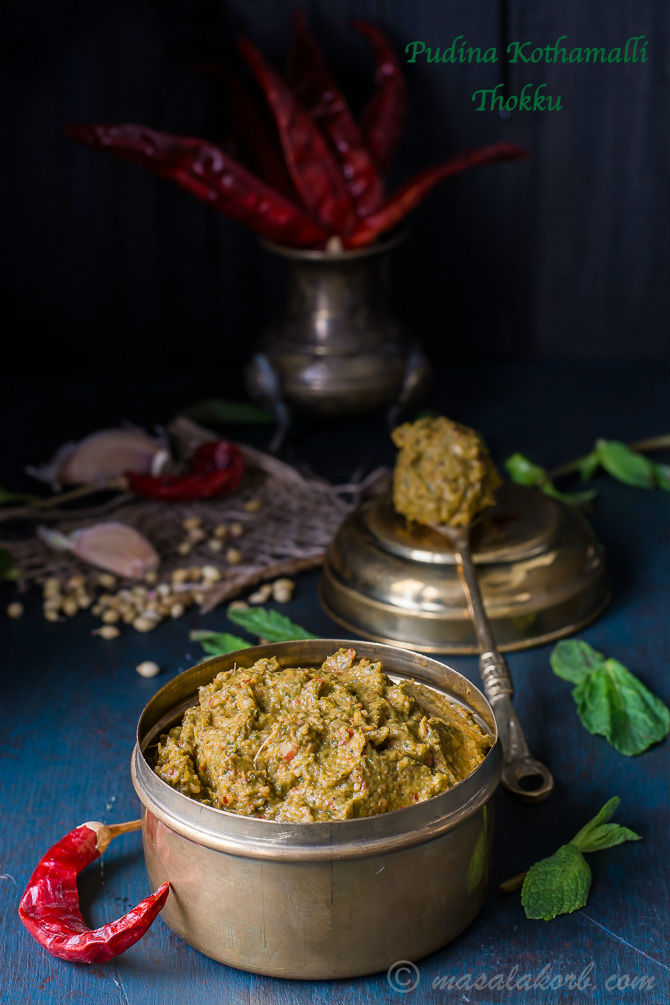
column 254, row 135
column 216, row 469
column 312, row 167
column 383, row 116
column 318, row 94
column 50, row 910
column 208, row 173
column 417, row 188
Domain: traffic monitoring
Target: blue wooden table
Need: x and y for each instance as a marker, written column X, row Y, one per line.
column 71, row 703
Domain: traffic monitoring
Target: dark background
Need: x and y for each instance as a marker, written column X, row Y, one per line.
column 111, row 272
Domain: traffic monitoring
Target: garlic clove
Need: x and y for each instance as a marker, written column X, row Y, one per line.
column 102, row 456
column 112, row 546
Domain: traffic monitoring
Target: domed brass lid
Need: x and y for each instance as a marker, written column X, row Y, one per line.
column 541, row 571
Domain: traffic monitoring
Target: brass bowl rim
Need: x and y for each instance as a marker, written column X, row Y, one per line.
column 360, row 836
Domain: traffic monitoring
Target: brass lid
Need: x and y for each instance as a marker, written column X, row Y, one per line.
column 542, row 575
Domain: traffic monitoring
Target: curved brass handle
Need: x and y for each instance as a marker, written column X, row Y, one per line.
column 529, row 780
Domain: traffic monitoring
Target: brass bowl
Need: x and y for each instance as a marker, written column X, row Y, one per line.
column 541, row 569
column 318, row 900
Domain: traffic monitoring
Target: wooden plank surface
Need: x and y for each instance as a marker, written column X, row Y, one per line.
column 71, row 702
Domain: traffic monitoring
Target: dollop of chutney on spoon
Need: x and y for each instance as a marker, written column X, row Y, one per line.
column 443, row 473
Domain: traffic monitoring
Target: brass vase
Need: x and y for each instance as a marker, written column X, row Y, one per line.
column 337, row 346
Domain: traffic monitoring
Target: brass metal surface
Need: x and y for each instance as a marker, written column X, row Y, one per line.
column 337, row 346
column 319, row 900
column 541, row 572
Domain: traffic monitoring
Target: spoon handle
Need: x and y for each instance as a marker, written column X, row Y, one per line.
column 528, row 779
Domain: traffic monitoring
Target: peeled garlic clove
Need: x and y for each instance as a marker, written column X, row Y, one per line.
column 112, row 546
column 102, row 456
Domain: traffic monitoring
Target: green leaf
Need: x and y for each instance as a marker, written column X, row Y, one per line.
column 625, row 465
column 556, row 885
column 662, row 475
column 574, row 659
column 267, row 624
column 7, row 496
column 602, row 816
column 613, row 703
column 598, row 834
column 219, row 643
column 587, row 466
column 607, row 836
column 522, row 471
column 217, row 412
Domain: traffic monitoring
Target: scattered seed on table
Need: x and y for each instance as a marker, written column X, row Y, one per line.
column 262, row 594
column 191, row 523
column 177, row 610
column 107, row 580
column 106, row 632
column 253, row 505
column 15, row 610
column 220, row 531
column 110, row 617
column 215, row 544
column 144, row 624
column 236, row 529
column 51, row 615
column 184, row 548
column 239, row 605
column 233, row 556
column 282, row 590
column 148, row 669
column 210, row 574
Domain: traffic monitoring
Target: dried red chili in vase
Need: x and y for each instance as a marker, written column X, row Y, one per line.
column 417, row 188
column 383, row 116
column 313, row 169
column 208, row 173
column 50, row 909
column 316, row 91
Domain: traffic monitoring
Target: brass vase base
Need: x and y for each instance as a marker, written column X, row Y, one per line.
column 541, row 572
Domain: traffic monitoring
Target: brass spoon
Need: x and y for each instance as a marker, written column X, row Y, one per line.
column 529, row 780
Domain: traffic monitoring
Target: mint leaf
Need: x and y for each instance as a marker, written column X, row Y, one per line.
column 556, row 885
column 574, row 659
column 522, row 471
column 560, row 884
column 662, row 476
column 217, row 412
column 587, row 466
column 607, row 836
column 602, row 816
column 625, row 465
column 219, row 643
column 598, row 834
column 267, row 624
column 613, row 703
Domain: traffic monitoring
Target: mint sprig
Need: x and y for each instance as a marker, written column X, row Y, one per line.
column 259, row 621
column 560, row 884
column 611, row 701
column 524, row 472
column 621, row 462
